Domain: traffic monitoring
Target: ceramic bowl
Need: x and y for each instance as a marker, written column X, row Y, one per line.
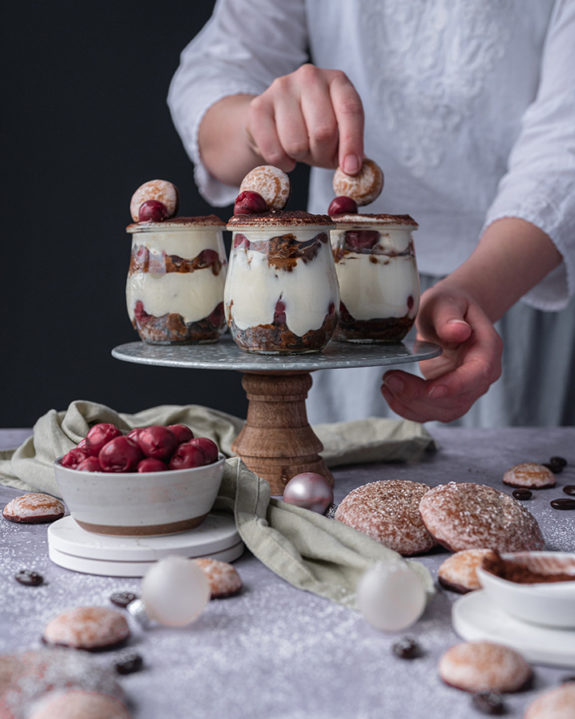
column 550, row 604
column 140, row 503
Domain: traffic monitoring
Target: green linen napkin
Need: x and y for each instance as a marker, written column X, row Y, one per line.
column 306, row 549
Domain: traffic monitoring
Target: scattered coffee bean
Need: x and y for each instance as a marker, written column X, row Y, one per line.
column 122, row 599
column 489, row 703
column 330, row 511
column 29, row 578
column 559, row 461
column 569, row 489
column 129, row 664
column 406, row 648
column 522, row 493
column 562, row 503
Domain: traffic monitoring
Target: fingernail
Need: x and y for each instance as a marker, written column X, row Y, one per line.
column 394, row 384
column 457, row 322
column 438, row 391
column 351, row 164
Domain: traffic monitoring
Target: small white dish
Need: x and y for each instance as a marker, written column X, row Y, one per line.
column 140, row 503
column 548, row 604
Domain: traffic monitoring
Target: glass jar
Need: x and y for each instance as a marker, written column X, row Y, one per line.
column 281, row 293
column 378, row 279
column 175, row 285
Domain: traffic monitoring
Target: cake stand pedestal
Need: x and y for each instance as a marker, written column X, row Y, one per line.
column 277, row 441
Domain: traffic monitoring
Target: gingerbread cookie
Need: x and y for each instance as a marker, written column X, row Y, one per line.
column 73, row 703
column 388, row 512
column 363, row 187
column 530, row 475
column 554, row 704
column 158, row 191
column 223, row 578
column 90, row 628
column 459, row 572
column 464, row 515
column 33, row 508
column 269, row 182
column 484, row 666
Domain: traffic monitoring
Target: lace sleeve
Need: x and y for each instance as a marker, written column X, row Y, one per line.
column 539, row 185
column 245, row 45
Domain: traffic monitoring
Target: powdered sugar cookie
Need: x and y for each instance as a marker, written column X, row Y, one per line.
column 464, row 515
column 33, row 508
column 484, row 666
column 74, row 703
column 271, row 183
column 223, row 577
column 530, row 475
column 459, row 572
column 554, row 704
column 159, row 190
column 388, row 512
column 90, row 628
column 363, row 187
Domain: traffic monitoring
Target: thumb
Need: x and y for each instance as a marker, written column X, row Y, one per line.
column 447, row 320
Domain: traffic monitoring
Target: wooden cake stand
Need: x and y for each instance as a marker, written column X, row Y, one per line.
column 277, row 441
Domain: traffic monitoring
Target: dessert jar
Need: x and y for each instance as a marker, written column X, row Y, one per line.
column 281, row 294
column 175, row 285
column 377, row 274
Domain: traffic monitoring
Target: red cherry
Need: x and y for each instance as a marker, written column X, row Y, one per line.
column 280, row 313
column 342, row 205
column 134, row 433
column 152, row 465
column 361, row 239
column 82, row 444
column 187, row 455
column 181, row 432
column 74, row 457
column 99, row 435
column 152, row 211
column 120, row 455
column 241, row 241
column 157, row 441
column 249, row 203
column 209, row 448
column 90, row 464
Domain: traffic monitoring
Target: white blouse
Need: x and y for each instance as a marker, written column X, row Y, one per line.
column 469, row 104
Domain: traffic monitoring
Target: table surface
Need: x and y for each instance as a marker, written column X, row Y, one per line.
column 275, row 652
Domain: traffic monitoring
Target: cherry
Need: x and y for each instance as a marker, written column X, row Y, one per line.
column 361, row 239
column 249, row 203
column 187, row 455
column 157, row 441
column 90, row 464
column 241, row 241
column 152, row 211
column 280, row 313
column 120, row 455
column 73, row 458
column 342, row 205
column 134, row 433
column 82, row 444
column 209, row 448
column 99, row 435
column 181, row 432
column 150, row 464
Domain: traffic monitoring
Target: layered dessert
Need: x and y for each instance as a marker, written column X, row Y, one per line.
column 377, row 273
column 281, row 293
column 175, row 285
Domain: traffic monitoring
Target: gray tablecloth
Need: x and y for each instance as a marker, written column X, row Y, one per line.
column 275, row 652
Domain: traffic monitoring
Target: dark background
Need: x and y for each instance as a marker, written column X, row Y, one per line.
column 84, row 123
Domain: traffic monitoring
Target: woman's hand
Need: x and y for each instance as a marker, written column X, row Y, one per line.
column 311, row 115
column 469, row 364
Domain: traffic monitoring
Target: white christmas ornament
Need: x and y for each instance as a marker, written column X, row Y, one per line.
column 309, row 490
column 175, row 591
column 391, row 596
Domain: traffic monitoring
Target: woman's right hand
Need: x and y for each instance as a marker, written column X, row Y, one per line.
column 311, row 115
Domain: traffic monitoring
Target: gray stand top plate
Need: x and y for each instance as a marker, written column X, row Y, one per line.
column 226, row 355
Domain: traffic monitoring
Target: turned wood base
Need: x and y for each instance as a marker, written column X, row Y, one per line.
column 277, row 441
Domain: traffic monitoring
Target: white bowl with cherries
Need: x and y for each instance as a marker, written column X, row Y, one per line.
column 151, row 481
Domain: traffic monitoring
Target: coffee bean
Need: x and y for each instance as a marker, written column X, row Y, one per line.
column 562, row 503
column 569, row 489
column 29, row 578
column 122, row 599
column 559, row 461
column 129, row 664
column 489, row 703
column 330, row 511
column 522, row 493
column 406, row 648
